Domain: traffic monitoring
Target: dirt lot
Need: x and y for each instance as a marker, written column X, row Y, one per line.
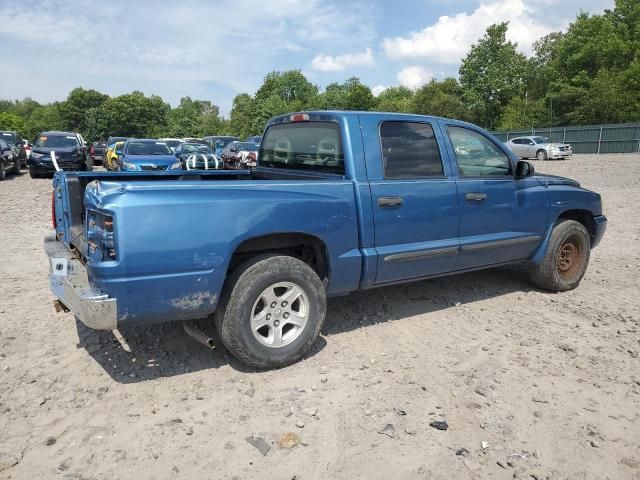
column 550, row 382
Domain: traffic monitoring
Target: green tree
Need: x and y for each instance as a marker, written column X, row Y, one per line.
column 350, row 95
column 440, row 98
column 491, row 74
column 74, row 108
column 395, row 99
column 290, row 86
column 11, row 121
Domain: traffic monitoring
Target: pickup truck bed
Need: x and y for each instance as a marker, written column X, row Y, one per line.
column 340, row 201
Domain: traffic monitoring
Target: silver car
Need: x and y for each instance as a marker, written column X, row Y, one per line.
column 538, row 147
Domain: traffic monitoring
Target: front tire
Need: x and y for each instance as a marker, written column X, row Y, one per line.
column 3, row 170
column 271, row 311
column 566, row 259
column 541, row 155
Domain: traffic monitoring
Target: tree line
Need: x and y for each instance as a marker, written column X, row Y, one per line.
column 589, row 74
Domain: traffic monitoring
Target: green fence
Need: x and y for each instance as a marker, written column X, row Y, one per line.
column 621, row 138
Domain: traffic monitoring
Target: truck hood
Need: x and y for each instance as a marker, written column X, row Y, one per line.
column 61, row 152
column 556, row 180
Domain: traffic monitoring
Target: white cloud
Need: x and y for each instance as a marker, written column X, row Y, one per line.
column 328, row 63
column 414, row 77
column 448, row 40
column 378, row 89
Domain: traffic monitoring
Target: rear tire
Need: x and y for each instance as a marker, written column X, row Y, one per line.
column 33, row 174
column 3, row 170
column 271, row 311
column 16, row 167
column 566, row 259
column 541, row 155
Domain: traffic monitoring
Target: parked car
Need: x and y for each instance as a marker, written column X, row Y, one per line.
column 255, row 139
column 108, row 151
column 340, row 201
column 70, row 152
column 9, row 161
column 240, row 155
column 172, row 143
column 539, row 147
column 217, row 143
column 96, row 152
column 140, row 154
column 15, row 141
column 111, row 158
column 197, row 156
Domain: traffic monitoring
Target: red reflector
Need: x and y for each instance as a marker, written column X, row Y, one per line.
column 299, row 117
column 53, row 209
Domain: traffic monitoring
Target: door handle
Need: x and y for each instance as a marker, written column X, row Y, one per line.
column 475, row 197
column 390, row 202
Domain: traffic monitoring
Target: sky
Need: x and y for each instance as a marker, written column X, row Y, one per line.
column 213, row 50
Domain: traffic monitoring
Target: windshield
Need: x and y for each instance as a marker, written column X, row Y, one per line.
column 303, row 146
column 114, row 140
column 57, row 141
column 540, row 140
column 249, row 146
column 196, row 148
column 8, row 137
column 148, row 148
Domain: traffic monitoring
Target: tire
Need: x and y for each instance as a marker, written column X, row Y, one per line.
column 33, row 174
column 541, row 155
column 272, row 277
column 3, row 170
column 16, row 167
column 566, row 259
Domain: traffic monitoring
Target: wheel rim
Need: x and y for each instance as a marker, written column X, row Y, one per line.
column 280, row 314
column 569, row 259
column 541, row 155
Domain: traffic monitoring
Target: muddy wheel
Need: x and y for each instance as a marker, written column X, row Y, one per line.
column 271, row 311
column 541, row 155
column 566, row 259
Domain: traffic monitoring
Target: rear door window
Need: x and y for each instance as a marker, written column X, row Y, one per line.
column 409, row 150
column 303, row 146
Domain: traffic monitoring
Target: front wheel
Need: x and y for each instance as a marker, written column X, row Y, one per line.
column 541, row 155
column 3, row 170
column 566, row 259
column 271, row 311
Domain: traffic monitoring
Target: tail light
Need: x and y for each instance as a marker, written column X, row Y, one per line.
column 299, row 117
column 91, row 150
column 252, row 155
column 101, row 240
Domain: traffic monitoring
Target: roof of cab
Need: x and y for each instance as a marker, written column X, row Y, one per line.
column 351, row 113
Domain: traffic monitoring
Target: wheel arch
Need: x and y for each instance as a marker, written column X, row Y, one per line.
column 585, row 217
column 308, row 248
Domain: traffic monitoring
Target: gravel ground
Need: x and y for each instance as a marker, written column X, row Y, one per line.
column 531, row 384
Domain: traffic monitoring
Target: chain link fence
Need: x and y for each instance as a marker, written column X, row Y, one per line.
column 620, row 138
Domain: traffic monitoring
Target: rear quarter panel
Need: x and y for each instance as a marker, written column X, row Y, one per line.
column 174, row 241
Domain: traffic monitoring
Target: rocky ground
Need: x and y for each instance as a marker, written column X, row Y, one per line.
column 530, row 384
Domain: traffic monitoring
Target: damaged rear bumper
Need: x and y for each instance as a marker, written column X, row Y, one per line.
column 69, row 282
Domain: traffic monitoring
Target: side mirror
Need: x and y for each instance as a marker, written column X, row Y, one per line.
column 524, row 169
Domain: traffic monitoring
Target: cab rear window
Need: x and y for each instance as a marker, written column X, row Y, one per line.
column 303, row 146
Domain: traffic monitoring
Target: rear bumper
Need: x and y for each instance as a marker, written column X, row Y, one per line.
column 69, row 282
column 47, row 166
column 599, row 227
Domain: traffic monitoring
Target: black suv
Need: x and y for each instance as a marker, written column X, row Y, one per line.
column 70, row 152
column 15, row 142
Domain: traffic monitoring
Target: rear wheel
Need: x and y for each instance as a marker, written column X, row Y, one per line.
column 272, row 311
column 541, row 155
column 33, row 174
column 3, row 170
column 16, row 167
column 566, row 259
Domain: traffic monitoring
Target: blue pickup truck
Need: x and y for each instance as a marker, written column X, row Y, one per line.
column 340, row 201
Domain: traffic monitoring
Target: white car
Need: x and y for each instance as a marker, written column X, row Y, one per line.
column 538, row 147
column 172, row 143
